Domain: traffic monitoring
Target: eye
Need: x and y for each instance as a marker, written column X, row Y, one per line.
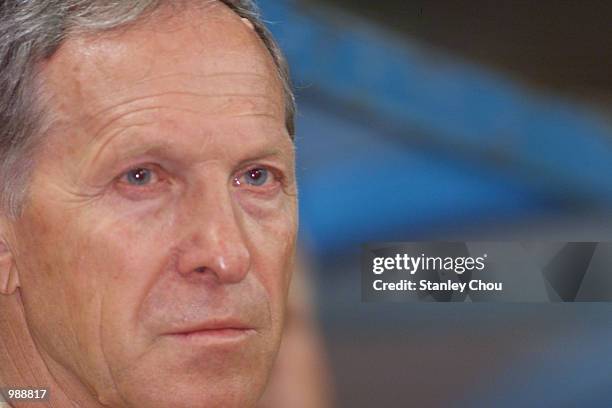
column 254, row 177
column 142, row 182
column 139, row 177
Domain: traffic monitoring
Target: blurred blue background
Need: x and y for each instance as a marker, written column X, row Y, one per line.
column 430, row 120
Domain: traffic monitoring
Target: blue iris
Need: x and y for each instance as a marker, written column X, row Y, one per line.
column 139, row 177
column 257, row 177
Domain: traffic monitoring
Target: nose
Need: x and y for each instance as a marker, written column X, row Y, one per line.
column 215, row 241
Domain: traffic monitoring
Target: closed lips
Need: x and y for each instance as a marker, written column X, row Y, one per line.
column 215, row 328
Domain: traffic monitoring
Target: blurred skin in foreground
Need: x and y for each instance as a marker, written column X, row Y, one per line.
column 301, row 377
column 151, row 264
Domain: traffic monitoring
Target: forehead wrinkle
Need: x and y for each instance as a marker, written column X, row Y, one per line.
column 102, row 148
column 104, row 143
column 253, row 115
column 123, row 115
column 250, row 111
column 127, row 102
column 201, row 76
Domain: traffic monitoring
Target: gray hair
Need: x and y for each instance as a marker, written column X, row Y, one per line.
column 31, row 31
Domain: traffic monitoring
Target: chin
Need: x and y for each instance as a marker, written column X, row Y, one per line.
column 213, row 395
column 194, row 376
column 195, row 391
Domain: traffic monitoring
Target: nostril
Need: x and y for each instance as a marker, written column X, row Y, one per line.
column 201, row 269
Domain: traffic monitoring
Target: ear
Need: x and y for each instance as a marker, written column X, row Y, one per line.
column 9, row 278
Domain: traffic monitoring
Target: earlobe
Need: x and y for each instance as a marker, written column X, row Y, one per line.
column 9, row 278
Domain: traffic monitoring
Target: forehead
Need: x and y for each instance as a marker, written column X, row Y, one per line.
column 206, row 50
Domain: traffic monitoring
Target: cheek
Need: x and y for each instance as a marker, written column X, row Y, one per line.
column 126, row 254
column 52, row 261
column 62, row 271
column 272, row 245
column 101, row 267
column 133, row 250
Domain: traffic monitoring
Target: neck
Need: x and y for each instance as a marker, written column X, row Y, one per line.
column 23, row 366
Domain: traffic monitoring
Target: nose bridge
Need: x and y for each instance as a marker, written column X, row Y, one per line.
column 215, row 240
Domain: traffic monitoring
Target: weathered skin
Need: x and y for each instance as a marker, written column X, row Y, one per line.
column 106, row 272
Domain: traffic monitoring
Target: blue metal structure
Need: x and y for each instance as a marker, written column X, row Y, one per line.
column 396, row 141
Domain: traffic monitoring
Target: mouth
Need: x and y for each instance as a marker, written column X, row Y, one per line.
column 214, row 331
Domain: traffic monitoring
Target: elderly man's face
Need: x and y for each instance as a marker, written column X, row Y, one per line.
column 154, row 250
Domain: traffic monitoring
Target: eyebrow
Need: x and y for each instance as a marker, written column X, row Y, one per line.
column 102, row 148
column 270, row 153
column 123, row 150
column 168, row 151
